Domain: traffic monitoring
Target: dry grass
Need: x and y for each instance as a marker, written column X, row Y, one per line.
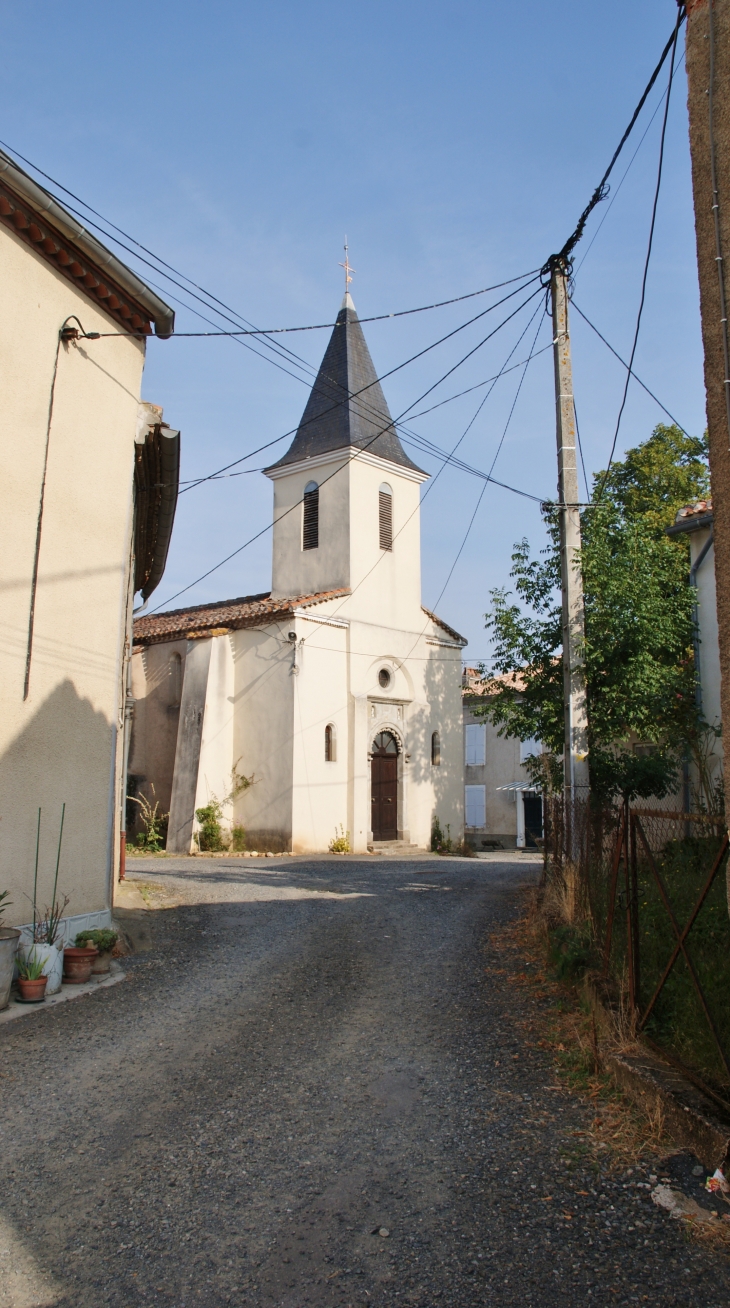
column 619, row 1134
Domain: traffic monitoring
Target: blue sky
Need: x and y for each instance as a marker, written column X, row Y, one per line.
column 455, row 144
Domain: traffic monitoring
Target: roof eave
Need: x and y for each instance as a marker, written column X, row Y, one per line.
column 43, row 203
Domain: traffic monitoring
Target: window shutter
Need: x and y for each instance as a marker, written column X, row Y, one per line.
column 386, row 520
column 475, row 806
column 310, row 525
column 476, row 745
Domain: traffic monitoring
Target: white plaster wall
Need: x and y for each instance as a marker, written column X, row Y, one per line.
column 338, row 682
column 305, row 572
column 263, row 732
column 320, row 691
column 388, row 582
column 709, row 645
column 501, row 767
column 709, row 638
column 217, row 742
column 63, row 743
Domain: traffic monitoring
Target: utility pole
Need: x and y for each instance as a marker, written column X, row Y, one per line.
column 708, row 78
column 575, row 756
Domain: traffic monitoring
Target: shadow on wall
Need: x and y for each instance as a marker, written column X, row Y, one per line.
column 63, row 755
column 443, row 692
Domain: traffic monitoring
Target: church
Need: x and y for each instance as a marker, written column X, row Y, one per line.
column 336, row 695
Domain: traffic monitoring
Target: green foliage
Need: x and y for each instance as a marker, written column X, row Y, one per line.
column 443, row 844
column 659, row 477
column 340, row 844
column 210, row 835
column 154, row 836
column 678, row 1021
column 571, row 950
column 639, row 625
column 103, row 938
column 30, row 967
column 48, row 925
column 3, row 905
column 238, row 839
column 440, row 843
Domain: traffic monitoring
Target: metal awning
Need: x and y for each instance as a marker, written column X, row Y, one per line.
column 525, row 787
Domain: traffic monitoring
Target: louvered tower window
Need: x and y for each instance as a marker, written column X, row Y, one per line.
column 385, row 511
column 310, row 517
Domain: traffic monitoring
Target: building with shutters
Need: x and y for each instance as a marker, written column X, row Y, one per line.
column 335, row 693
column 502, row 808
column 83, row 529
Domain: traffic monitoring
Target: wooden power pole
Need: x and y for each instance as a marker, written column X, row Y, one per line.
column 575, row 755
column 708, row 74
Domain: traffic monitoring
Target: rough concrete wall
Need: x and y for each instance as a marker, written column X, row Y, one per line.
column 698, row 72
column 187, row 754
column 155, row 722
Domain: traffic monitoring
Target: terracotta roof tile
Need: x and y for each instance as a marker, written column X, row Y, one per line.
column 219, row 618
column 476, row 684
column 444, row 626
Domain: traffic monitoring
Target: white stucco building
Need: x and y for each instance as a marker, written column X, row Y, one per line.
column 696, row 521
column 336, row 693
column 73, row 434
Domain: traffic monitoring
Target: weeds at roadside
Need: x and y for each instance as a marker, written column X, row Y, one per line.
column 619, row 1135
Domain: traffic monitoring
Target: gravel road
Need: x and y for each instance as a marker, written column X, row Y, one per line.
column 309, row 1090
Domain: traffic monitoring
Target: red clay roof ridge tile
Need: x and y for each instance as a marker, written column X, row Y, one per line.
column 222, row 615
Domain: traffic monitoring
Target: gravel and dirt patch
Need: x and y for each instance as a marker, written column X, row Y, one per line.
column 318, row 1086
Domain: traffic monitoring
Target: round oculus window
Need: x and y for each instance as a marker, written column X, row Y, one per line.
column 384, row 677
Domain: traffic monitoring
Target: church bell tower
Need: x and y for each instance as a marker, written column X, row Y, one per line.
column 346, row 495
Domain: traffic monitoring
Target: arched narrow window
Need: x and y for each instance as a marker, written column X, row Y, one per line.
column 385, row 516
column 310, row 517
column 174, row 673
column 330, row 744
column 436, row 749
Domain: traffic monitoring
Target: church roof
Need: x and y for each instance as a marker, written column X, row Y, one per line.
column 219, row 618
column 346, row 405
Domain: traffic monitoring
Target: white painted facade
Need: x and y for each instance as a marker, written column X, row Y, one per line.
column 271, row 697
column 68, row 416
column 301, row 681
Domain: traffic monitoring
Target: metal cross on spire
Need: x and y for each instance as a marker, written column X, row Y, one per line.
column 348, row 269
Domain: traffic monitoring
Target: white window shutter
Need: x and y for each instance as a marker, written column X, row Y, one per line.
column 476, row 744
column 475, row 804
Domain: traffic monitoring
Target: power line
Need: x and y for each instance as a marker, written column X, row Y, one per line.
column 614, row 196
column 624, row 364
column 648, row 256
column 251, row 331
column 349, row 396
column 491, row 469
column 563, row 257
column 298, row 503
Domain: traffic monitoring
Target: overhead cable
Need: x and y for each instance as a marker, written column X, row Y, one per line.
column 563, row 258
column 624, row 364
column 297, row 504
column 650, row 243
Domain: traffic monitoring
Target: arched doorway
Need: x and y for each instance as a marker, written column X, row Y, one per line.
column 384, row 787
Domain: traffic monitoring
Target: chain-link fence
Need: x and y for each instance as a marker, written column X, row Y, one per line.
column 646, row 890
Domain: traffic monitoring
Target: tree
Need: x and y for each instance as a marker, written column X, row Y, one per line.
column 638, row 605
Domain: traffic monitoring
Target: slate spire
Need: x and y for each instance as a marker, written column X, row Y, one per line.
column 346, row 405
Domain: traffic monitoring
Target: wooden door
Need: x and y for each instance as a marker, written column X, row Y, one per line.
column 384, row 785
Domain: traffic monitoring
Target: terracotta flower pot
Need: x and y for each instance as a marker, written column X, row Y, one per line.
column 77, row 964
column 102, row 964
column 9, row 937
column 32, row 992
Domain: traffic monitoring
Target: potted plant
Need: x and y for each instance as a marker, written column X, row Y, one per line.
column 47, row 945
column 104, row 940
column 9, row 937
column 77, row 964
column 47, row 929
column 31, row 980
